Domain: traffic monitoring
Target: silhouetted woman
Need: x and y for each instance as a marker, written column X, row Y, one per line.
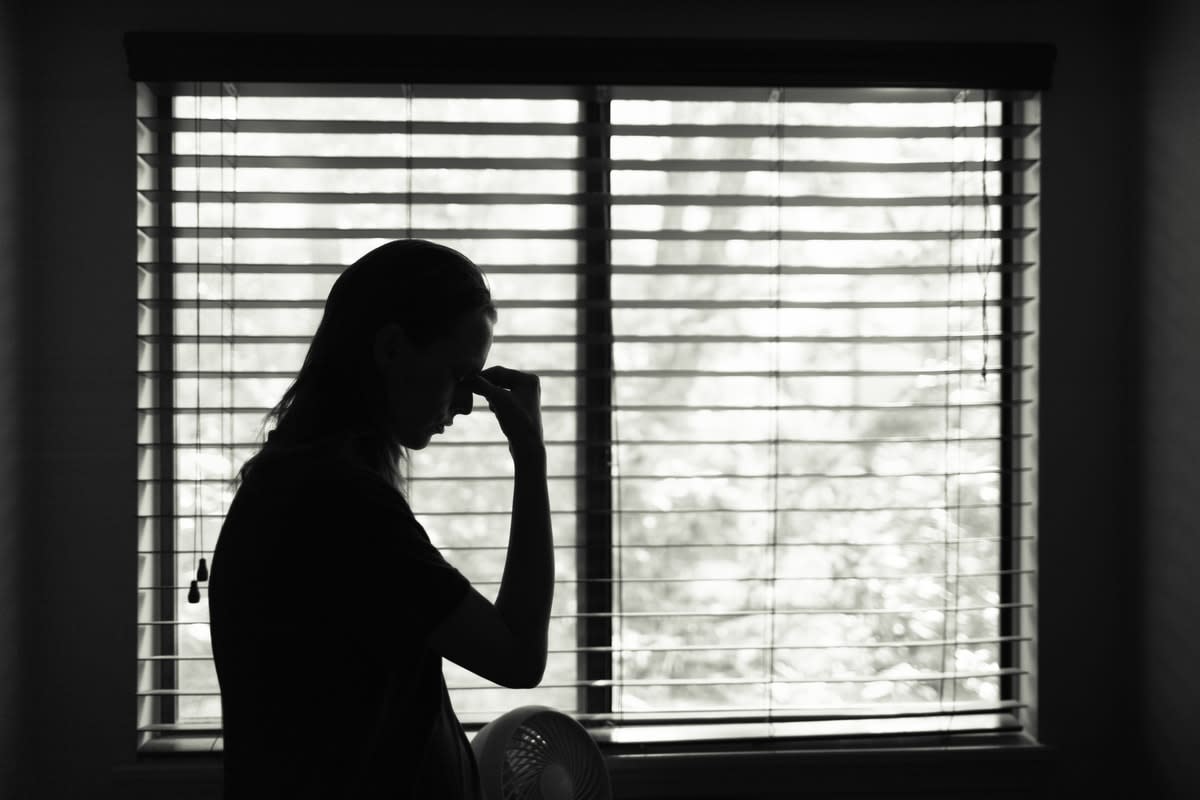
column 331, row 610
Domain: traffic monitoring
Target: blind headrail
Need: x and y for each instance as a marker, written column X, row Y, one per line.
column 371, row 58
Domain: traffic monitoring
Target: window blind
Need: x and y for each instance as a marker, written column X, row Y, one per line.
column 787, row 341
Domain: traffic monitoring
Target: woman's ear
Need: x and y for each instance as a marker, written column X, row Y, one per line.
column 391, row 344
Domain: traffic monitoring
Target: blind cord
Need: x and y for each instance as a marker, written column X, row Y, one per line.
column 233, row 253
column 227, row 345
column 408, row 158
column 777, row 101
column 226, row 368
column 194, row 590
column 617, row 699
column 960, row 378
column 615, row 452
column 950, row 236
column 951, row 547
column 984, row 261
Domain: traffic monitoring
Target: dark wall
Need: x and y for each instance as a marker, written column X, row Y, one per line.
column 11, row 606
column 1170, row 419
column 79, row 381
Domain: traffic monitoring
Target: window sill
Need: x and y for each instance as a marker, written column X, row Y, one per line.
column 851, row 735
column 1000, row 765
column 712, row 763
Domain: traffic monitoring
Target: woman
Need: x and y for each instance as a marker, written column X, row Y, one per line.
column 330, row 608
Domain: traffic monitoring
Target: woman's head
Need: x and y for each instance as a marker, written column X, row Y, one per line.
column 402, row 327
column 425, row 386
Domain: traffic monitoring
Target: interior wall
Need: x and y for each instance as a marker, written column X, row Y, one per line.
column 79, row 379
column 1170, row 424
column 10, row 342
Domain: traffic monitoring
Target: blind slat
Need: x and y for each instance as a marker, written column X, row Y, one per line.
column 556, row 408
column 668, row 476
column 236, row 339
column 678, row 165
column 646, row 442
column 738, row 722
column 207, row 268
column 850, row 545
column 575, row 234
column 592, row 198
column 688, row 648
column 618, row 546
column 677, row 511
column 497, row 128
column 763, row 579
column 628, row 682
column 717, row 614
column 656, row 303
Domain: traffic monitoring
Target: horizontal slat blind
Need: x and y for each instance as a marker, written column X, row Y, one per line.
column 868, row 491
column 823, row 310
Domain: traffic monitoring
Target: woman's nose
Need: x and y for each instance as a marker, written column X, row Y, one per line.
column 462, row 401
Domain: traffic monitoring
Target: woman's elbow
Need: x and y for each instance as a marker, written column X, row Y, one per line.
column 532, row 676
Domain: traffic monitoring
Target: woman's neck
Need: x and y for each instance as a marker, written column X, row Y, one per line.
column 364, row 451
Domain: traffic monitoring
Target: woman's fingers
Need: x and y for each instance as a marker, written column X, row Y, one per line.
column 515, row 398
column 482, row 386
column 494, row 394
column 525, row 385
column 509, row 378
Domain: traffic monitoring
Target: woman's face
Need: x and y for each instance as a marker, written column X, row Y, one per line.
column 425, row 386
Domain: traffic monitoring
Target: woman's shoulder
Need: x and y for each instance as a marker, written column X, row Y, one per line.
column 321, row 471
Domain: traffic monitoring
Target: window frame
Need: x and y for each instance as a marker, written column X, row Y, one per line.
column 161, row 60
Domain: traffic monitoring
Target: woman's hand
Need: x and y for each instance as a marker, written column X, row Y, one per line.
column 516, row 399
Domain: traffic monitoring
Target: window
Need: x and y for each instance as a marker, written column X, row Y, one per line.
column 787, row 337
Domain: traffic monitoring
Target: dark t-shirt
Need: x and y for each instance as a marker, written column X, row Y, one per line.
column 323, row 592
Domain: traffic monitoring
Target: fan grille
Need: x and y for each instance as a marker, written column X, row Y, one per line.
column 549, row 739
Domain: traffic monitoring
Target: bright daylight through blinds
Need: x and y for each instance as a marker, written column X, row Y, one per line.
column 786, row 340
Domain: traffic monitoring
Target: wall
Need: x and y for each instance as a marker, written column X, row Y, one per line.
column 10, row 342
column 1170, row 481
column 78, row 382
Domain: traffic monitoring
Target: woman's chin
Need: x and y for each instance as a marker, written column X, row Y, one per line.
column 418, row 441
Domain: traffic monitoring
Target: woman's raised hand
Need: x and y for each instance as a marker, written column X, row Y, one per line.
column 515, row 398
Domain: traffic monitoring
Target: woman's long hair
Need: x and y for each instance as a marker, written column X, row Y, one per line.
column 338, row 396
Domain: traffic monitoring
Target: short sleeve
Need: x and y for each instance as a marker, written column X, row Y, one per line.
column 416, row 583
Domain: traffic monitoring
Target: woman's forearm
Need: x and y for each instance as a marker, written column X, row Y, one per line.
column 527, row 586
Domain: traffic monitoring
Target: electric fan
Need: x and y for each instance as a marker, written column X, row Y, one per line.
column 538, row 753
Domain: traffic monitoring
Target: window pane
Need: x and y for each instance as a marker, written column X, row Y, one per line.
column 786, row 487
